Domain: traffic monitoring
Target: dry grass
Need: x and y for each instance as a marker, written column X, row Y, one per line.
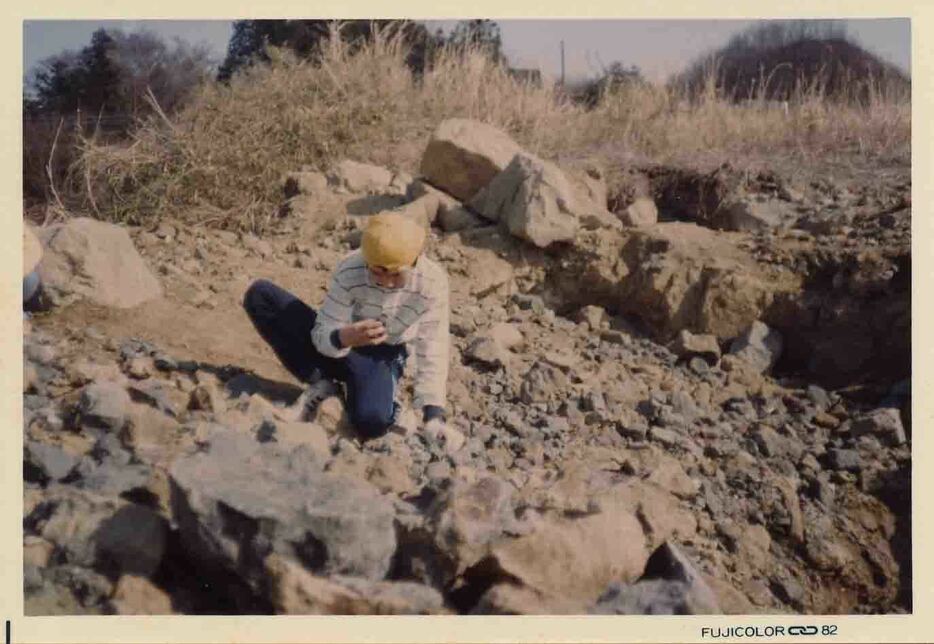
column 221, row 161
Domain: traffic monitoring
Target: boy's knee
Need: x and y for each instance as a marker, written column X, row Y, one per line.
column 254, row 298
column 371, row 421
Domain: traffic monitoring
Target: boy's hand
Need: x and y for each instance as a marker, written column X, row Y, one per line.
column 443, row 434
column 363, row 333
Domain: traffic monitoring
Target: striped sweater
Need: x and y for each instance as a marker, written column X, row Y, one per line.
column 416, row 313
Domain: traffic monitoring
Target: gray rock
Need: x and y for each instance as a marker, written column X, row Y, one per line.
column 699, row 366
column 819, row 397
column 132, row 541
column 50, row 461
column 89, row 587
column 241, row 500
column 304, row 183
column 134, row 348
column 844, row 459
column 528, row 302
column 40, row 353
column 742, row 407
column 437, row 472
column 95, row 260
column 110, row 477
column 34, row 403
column 464, row 155
column 108, row 448
column 595, row 317
column 789, row 591
column 100, row 532
column 753, row 215
column 104, row 405
column 533, row 199
column 666, row 437
column 683, row 404
column 593, row 401
column 641, row 212
column 32, row 578
column 885, row 423
column 654, row 597
column 688, row 345
column 759, row 347
column 634, row 428
column 488, row 352
column 670, row 585
column 824, row 491
column 463, row 518
column 457, row 218
column 557, row 426
column 542, row 383
column 773, row 444
column 155, row 394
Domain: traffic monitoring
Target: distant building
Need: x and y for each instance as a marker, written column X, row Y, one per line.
column 530, row 76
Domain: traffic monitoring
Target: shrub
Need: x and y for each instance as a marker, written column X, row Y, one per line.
column 221, row 161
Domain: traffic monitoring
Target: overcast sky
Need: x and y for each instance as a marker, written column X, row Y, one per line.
column 658, row 47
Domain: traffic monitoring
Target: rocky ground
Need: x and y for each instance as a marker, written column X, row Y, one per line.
column 674, row 403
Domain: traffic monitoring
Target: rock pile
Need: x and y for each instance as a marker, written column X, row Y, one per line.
column 600, row 467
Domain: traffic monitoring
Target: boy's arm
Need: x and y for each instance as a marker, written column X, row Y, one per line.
column 432, row 346
column 334, row 314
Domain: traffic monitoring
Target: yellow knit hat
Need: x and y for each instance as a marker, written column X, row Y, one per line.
column 392, row 241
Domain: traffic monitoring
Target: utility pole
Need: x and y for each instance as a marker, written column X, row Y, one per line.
column 562, row 63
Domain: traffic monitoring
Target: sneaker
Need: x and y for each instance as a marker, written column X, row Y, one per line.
column 39, row 302
column 307, row 404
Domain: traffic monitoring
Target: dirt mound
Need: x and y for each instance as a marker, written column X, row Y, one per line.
column 627, row 380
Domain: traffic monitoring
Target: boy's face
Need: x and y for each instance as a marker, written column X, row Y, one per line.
column 389, row 279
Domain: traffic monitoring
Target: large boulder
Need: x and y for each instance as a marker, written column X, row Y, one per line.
column 468, row 516
column 94, row 260
column 533, row 199
column 240, row 500
column 580, row 534
column 673, row 276
column 464, row 155
column 574, row 558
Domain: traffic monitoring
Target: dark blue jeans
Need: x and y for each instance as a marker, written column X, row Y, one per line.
column 31, row 284
column 370, row 374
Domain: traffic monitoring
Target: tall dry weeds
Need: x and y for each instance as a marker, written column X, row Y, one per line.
column 222, row 160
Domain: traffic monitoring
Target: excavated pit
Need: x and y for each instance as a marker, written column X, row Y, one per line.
column 849, row 323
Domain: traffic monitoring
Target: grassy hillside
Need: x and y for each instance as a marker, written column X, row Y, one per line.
column 221, row 161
